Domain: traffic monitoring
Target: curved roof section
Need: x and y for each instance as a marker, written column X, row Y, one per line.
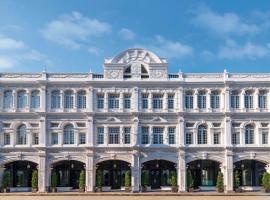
column 135, row 54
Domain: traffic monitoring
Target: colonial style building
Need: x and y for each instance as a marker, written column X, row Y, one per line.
column 135, row 116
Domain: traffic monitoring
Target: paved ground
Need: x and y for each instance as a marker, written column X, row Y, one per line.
column 134, row 197
column 138, row 196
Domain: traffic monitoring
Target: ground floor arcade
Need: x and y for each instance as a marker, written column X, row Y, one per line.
column 153, row 169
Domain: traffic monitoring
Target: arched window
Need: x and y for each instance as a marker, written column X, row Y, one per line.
column 22, row 99
column 35, row 99
column 55, row 99
column 249, row 134
column 69, row 134
column 81, row 98
column 8, row 99
column 202, row 134
column 21, row 134
column 69, row 99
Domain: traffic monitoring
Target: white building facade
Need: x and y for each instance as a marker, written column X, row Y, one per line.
column 137, row 117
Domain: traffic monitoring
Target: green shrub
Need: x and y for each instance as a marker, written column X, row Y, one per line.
column 34, row 181
column 127, row 179
column 237, row 180
column 190, row 182
column 220, row 184
column 6, row 179
column 82, row 180
column 173, row 179
column 99, row 180
column 54, row 180
column 265, row 181
column 145, row 178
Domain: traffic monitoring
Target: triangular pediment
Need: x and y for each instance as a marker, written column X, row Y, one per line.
column 113, row 120
column 159, row 119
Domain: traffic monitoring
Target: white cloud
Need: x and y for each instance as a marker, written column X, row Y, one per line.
column 227, row 23
column 127, row 34
column 94, row 51
column 72, row 29
column 7, row 43
column 168, row 48
column 232, row 50
column 6, row 62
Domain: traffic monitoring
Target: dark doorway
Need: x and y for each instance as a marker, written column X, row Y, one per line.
column 159, row 172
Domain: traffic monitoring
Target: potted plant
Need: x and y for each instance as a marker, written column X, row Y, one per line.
column 6, row 181
column 34, row 181
column 265, row 182
column 99, row 181
column 174, row 181
column 127, row 181
column 145, row 180
column 190, row 182
column 237, row 182
column 220, row 184
column 82, row 181
column 54, row 182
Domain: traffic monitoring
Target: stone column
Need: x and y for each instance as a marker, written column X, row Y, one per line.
column 135, row 100
column 150, row 134
column 208, row 100
column 75, row 106
column 135, row 172
column 150, row 99
column 196, row 93
column 43, row 99
column 166, row 136
column 121, row 102
column 62, row 101
column 90, row 132
column 180, row 101
column 121, row 138
column 106, row 103
column 90, row 172
column 228, row 171
column 42, row 176
column 42, row 132
column 227, row 100
column 106, row 135
column 28, row 99
column 256, row 100
column 165, row 102
column 14, row 92
column 242, row 100
column 181, row 134
column 91, row 100
column 227, row 132
column 134, row 135
column 181, row 171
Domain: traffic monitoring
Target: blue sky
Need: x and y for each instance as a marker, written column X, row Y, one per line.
column 76, row 35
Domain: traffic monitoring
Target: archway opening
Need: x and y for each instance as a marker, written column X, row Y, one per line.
column 250, row 172
column 204, row 173
column 158, row 173
column 113, row 173
column 20, row 173
column 68, row 173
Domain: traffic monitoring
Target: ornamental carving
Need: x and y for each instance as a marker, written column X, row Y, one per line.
column 158, row 74
column 114, row 74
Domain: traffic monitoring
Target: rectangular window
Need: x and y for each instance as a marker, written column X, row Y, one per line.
column 216, row 138
column 249, row 136
column 55, row 99
column 127, row 135
column 189, row 138
column 263, row 100
column 248, row 101
column 202, row 100
column 145, row 135
column 35, row 138
column 54, row 138
column 113, row 101
column 157, row 135
column 144, row 101
column 235, row 138
column 157, row 101
column 171, row 132
column 8, row 99
column 127, row 101
column 100, row 135
column 235, row 100
column 82, row 138
column 265, row 137
column 215, row 100
column 35, row 100
column 100, row 101
column 189, row 100
column 81, row 100
column 170, row 101
column 114, row 135
column 6, row 139
column 69, row 100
